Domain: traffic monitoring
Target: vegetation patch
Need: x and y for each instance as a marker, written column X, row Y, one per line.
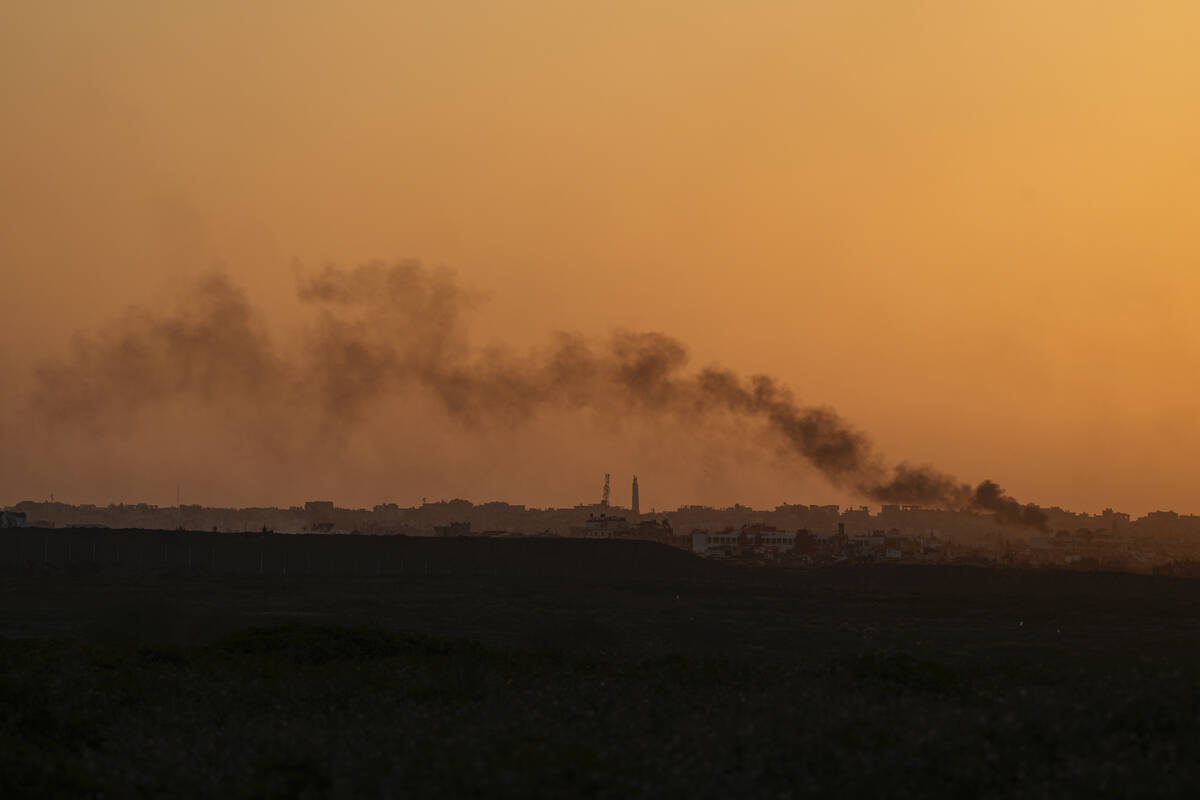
column 319, row 711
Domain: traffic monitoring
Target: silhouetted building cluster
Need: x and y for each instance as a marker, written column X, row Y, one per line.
column 790, row 532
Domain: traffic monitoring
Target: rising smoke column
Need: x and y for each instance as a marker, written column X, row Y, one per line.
column 380, row 329
column 991, row 497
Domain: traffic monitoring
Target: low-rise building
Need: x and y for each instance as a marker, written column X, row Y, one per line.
column 722, row 543
column 751, row 541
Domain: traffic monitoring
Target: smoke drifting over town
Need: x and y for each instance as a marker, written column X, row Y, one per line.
column 378, row 330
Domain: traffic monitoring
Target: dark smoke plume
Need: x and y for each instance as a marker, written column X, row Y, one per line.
column 991, row 497
column 380, row 329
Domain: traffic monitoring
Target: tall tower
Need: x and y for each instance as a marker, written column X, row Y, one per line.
column 636, row 508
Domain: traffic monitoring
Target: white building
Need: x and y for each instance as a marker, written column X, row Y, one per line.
column 714, row 544
column 775, row 543
column 755, row 540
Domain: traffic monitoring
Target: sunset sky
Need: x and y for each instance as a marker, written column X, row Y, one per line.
column 971, row 228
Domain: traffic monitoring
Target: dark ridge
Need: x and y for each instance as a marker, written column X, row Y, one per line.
column 345, row 554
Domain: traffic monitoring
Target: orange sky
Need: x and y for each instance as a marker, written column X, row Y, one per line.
column 970, row 227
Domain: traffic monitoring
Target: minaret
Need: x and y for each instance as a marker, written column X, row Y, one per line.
column 635, row 506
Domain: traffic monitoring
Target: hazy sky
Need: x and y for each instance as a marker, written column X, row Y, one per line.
column 970, row 227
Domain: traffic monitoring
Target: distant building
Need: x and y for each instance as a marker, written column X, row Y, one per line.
column 453, row 529
column 751, row 541
column 724, row 543
column 319, row 515
column 652, row 529
column 601, row 526
column 773, row 543
column 872, row 546
column 12, row 519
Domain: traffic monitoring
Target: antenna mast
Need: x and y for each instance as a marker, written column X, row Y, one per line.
column 607, row 489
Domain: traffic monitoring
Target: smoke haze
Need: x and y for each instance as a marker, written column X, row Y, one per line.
column 376, row 333
column 980, row 249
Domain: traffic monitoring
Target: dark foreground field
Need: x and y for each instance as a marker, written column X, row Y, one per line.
column 611, row 669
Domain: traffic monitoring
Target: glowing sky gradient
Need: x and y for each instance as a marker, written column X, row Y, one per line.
column 970, row 227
